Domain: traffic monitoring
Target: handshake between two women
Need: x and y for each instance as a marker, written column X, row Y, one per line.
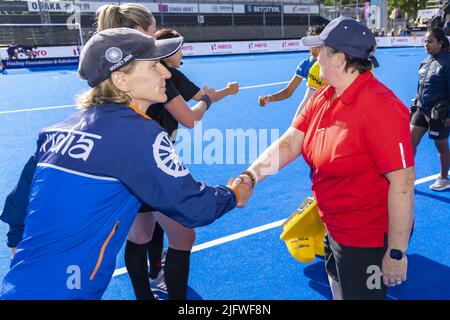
column 243, row 187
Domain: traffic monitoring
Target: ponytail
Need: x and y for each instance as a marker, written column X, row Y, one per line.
column 128, row 15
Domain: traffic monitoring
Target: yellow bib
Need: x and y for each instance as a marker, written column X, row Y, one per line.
column 314, row 81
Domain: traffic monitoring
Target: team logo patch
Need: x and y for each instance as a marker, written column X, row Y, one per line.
column 166, row 157
column 113, row 54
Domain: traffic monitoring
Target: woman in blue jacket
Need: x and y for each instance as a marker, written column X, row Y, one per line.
column 430, row 110
column 147, row 233
column 92, row 171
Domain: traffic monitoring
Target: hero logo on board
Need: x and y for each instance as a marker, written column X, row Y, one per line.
column 39, row 53
column 301, row 10
column 395, row 40
column 221, row 46
column 291, row 44
column 257, row 45
column 187, row 48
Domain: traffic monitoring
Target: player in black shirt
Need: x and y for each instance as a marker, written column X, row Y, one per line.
column 178, row 88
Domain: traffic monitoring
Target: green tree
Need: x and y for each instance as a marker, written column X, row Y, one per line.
column 340, row 2
column 409, row 6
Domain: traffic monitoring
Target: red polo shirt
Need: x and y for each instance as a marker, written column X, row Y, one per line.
column 350, row 143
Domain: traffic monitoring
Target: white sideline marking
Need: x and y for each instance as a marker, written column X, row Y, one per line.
column 426, row 179
column 73, row 105
column 249, row 232
column 222, row 240
column 263, row 85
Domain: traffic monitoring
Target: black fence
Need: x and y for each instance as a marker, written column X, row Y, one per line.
column 214, row 28
column 194, row 27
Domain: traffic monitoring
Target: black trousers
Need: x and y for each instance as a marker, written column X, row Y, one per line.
column 358, row 270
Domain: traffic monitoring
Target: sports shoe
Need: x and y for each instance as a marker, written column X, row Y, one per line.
column 440, row 184
column 159, row 283
column 160, row 265
column 163, row 258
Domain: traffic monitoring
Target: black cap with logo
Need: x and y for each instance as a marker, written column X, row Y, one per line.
column 111, row 49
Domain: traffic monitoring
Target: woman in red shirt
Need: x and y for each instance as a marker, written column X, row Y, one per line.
column 354, row 135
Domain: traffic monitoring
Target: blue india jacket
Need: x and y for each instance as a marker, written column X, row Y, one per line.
column 434, row 81
column 78, row 195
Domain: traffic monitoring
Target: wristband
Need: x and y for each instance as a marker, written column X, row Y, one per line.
column 251, row 174
column 255, row 176
column 207, row 100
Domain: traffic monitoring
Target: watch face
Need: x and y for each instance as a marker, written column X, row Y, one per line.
column 396, row 254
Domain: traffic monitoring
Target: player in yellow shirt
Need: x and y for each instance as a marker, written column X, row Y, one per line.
column 313, row 83
column 300, row 74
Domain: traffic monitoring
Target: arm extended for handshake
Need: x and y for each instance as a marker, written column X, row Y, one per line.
column 273, row 159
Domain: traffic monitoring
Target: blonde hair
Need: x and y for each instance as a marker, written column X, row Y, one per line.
column 110, row 16
column 105, row 92
column 128, row 15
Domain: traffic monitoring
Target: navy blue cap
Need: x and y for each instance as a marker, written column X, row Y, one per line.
column 344, row 34
column 111, row 49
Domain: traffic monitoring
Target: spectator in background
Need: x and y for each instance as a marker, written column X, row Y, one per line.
column 12, row 51
column 28, row 51
column 400, row 31
column 383, row 32
column 430, row 110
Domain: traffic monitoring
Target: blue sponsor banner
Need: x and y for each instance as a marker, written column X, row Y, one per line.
column 261, row 9
column 33, row 63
